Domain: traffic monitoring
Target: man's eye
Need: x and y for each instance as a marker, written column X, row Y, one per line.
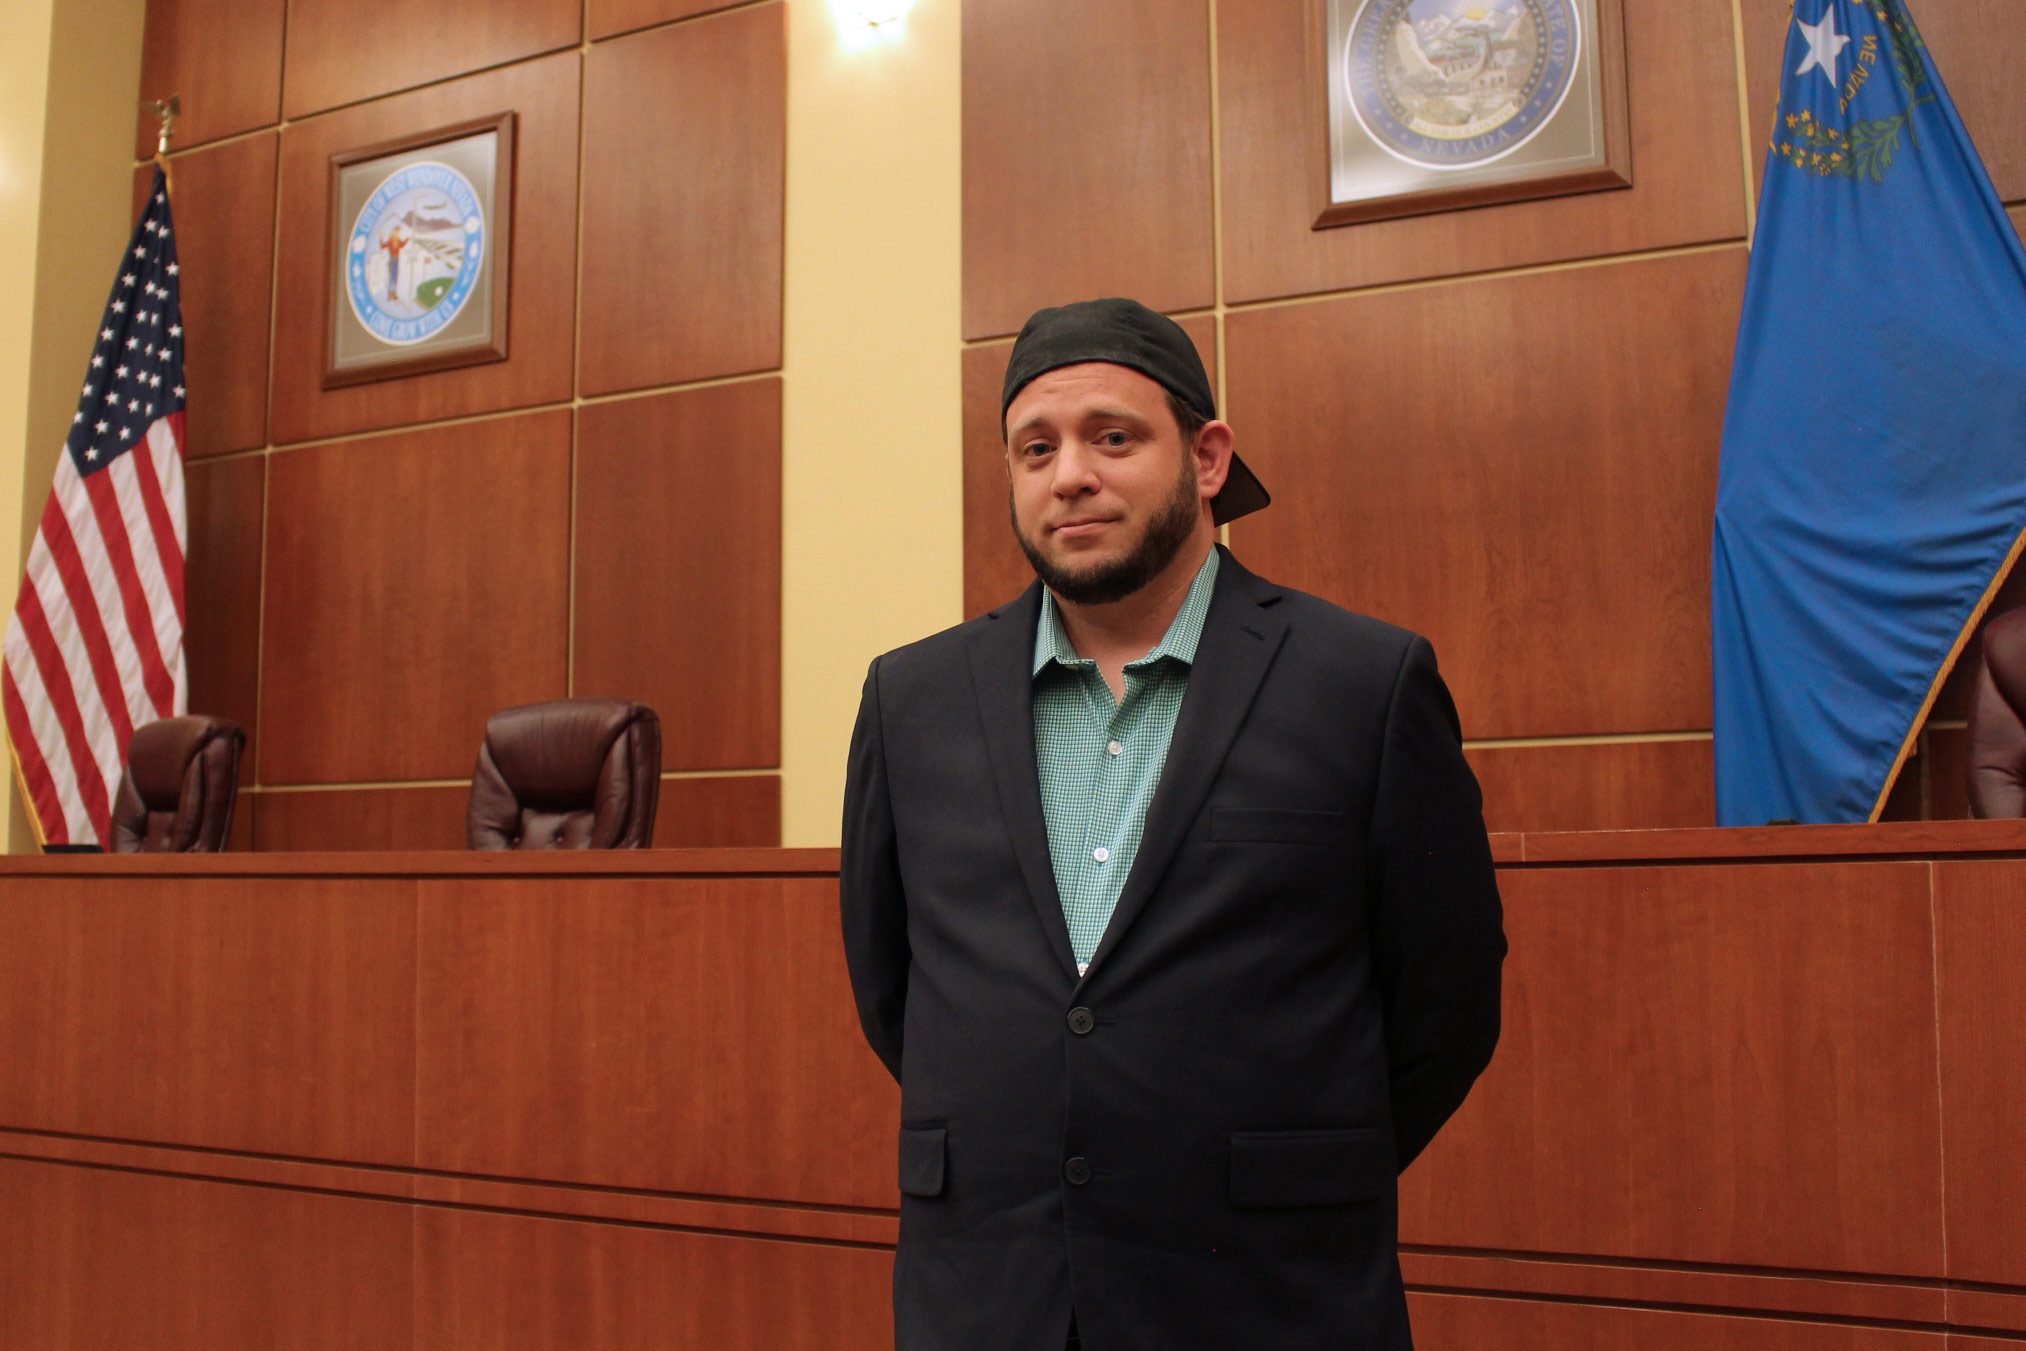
column 1033, row 448
column 1113, row 439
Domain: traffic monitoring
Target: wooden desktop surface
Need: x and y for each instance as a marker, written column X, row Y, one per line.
column 613, row 1100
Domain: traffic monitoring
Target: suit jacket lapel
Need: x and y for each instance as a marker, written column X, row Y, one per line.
column 1241, row 634
column 1002, row 673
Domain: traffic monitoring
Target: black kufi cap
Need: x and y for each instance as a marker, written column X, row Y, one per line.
column 1127, row 333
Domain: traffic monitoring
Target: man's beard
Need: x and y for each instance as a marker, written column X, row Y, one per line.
column 1104, row 583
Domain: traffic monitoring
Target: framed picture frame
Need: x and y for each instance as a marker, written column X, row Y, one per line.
column 419, row 252
column 1437, row 105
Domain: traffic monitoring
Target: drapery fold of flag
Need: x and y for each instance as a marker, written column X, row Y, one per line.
column 95, row 645
column 1873, row 480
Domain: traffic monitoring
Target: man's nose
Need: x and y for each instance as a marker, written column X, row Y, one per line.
column 1075, row 471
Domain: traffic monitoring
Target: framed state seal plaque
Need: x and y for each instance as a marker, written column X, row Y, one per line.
column 1440, row 104
column 420, row 230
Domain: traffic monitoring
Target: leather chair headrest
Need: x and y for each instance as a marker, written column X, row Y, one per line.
column 2005, row 657
column 1996, row 751
column 570, row 773
column 181, row 780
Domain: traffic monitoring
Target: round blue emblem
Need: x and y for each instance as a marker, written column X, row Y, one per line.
column 415, row 252
column 1452, row 84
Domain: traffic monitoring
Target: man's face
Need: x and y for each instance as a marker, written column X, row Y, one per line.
column 1104, row 492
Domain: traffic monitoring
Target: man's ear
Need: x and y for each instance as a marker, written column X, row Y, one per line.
column 1212, row 453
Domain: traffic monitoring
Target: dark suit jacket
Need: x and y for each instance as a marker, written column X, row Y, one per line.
column 1196, row 1144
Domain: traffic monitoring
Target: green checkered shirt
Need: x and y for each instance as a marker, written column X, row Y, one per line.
column 1100, row 759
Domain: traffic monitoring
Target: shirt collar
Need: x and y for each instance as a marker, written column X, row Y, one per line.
column 1051, row 640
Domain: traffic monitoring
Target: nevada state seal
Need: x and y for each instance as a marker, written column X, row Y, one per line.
column 415, row 252
column 1453, row 84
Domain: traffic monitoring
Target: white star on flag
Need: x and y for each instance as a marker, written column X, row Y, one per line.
column 1825, row 45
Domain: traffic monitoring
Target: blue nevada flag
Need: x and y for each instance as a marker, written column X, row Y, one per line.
column 1873, row 483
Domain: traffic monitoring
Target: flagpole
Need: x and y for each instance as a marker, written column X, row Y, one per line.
column 27, row 802
column 167, row 111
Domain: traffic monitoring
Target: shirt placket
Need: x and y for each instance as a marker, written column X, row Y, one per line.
column 1104, row 834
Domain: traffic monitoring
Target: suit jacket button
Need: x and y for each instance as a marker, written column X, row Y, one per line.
column 1077, row 1171
column 1081, row 1021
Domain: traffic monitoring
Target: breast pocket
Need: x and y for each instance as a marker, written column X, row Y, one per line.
column 1274, row 1169
column 1274, row 825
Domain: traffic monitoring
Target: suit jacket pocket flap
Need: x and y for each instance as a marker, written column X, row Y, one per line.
column 1274, row 825
column 921, row 1160
column 1310, row 1168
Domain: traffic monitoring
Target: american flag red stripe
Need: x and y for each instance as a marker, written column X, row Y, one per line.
column 95, row 645
column 83, row 605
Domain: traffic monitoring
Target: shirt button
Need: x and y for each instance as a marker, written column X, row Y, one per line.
column 1077, row 1171
column 1081, row 1021
column 1101, row 854
column 1114, row 748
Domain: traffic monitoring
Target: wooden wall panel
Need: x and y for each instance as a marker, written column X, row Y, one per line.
column 1688, row 186
column 428, row 817
column 612, row 1286
column 1979, row 77
column 107, row 1259
column 239, row 836
column 543, row 304
column 620, row 1032
column 622, row 16
column 1643, row 785
column 1944, row 768
column 1691, row 1074
column 221, row 640
column 719, row 812
column 1444, row 1322
column 222, row 57
column 342, row 51
column 234, row 1013
column 224, row 224
column 685, row 143
column 741, row 811
column 1522, row 468
column 995, row 571
column 1086, row 156
column 416, row 584
column 679, row 567
column 1980, row 913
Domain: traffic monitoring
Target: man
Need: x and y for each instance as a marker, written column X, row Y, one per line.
column 1166, row 899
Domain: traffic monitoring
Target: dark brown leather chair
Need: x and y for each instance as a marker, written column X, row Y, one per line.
column 181, row 780
column 1997, row 738
column 569, row 774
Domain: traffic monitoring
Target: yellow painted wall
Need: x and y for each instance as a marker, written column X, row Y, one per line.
column 69, row 70
column 872, row 418
column 24, row 89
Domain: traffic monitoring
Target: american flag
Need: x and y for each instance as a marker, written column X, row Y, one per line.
column 95, row 646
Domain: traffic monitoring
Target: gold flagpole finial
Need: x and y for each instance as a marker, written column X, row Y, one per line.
column 166, row 110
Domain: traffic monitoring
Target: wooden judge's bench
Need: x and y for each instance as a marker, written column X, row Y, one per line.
column 1757, row 1089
